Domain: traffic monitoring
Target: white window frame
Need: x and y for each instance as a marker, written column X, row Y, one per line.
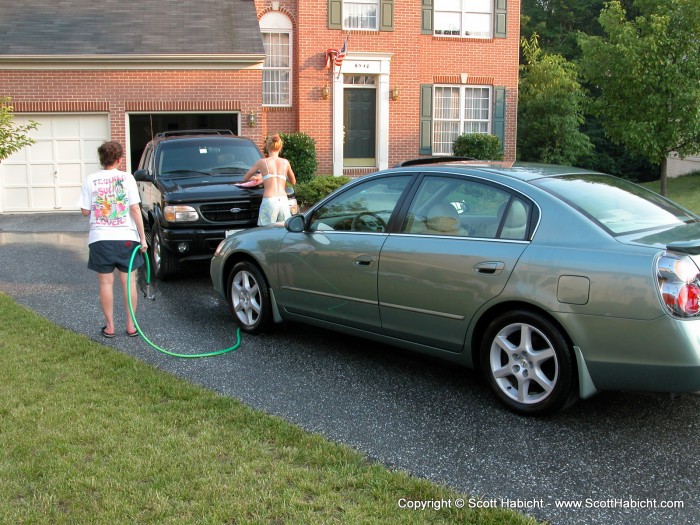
column 277, row 79
column 359, row 9
column 472, row 114
column 463, row 16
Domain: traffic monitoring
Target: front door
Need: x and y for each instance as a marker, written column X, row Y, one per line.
column 359, row 120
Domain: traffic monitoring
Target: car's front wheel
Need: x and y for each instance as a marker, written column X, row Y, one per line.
column 249, row 298
column 528, row 363
column 165, row 264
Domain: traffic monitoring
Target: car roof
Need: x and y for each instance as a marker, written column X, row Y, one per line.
column 162, row 138
column 524, row 171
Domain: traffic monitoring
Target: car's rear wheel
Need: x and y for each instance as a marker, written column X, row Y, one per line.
column 528, row 363
column 249, row 298
column 164, row 263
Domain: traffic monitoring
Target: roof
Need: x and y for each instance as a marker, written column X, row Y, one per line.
column 71, row 28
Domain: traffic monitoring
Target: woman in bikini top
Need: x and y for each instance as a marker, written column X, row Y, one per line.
column 275, row 171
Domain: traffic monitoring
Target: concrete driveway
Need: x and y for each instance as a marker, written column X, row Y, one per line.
column 615, row 459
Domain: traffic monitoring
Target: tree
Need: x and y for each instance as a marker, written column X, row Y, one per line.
column 647, row 73
column 12, row 137
column 550, row 108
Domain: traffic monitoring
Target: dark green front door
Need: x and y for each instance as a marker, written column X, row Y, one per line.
column 359, row 119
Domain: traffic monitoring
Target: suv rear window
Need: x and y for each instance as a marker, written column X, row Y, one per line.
column 192, row 157
column 618, row 205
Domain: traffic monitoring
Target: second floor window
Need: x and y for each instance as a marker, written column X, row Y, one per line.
column 464, row 18
column 361, row 14
column 277, row 69
column 459, row 110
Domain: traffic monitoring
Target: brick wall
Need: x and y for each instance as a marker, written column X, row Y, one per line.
column 417, row 59
column 120, row 91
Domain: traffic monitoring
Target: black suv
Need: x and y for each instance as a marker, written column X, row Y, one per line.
column 189, row 199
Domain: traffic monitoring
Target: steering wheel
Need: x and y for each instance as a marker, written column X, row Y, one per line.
column 368, row 221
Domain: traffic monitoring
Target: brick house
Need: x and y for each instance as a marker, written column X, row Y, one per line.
column 414, row 75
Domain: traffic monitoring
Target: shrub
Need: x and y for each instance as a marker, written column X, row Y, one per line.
column 478, row 146
column 300, row 150
column 312, row 191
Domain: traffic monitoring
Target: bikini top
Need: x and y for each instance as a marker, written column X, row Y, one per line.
column 269, row 175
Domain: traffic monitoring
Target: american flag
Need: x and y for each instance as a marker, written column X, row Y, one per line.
column 341, row 54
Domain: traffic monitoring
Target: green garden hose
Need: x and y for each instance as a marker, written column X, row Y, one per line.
column 138, row 328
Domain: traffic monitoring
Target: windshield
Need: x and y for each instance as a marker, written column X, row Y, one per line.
column 202, row 157
column 618, row 205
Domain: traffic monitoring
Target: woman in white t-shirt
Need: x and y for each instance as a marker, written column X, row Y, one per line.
column 111, row 199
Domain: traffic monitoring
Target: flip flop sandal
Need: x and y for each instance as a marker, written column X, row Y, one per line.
column 135, row 333
column 106, row 334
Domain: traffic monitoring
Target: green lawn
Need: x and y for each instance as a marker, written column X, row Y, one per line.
column 684, row 190
column 92, row 436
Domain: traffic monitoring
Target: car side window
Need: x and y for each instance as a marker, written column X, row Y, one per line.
column 454, row 206
column 366, row 207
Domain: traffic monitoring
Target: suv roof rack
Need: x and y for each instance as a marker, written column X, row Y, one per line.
column 194, row 132
column 431, row 160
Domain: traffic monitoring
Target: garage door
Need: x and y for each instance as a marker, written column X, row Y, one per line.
column 47, row 176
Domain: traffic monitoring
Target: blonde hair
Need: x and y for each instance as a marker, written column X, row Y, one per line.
column 274, row 142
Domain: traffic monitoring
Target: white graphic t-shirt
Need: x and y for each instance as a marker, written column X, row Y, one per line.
column 108, row 195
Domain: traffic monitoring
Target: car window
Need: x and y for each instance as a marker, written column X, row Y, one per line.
column 364, row 207
column 454, row 206
column 616, row 204
column 201, row 157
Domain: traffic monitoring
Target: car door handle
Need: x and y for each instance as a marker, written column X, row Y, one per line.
column 490, row 267
column 363, row 260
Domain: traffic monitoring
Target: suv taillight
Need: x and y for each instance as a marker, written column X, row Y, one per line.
column 678, row 278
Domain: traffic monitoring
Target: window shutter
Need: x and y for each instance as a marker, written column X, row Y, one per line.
column 426, row 119
column 500, row 16
column 427, row 17
column 499, row 114
column 386, row 11
column 335, row 14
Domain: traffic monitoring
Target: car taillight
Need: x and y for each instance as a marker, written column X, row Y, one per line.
column 679, row 284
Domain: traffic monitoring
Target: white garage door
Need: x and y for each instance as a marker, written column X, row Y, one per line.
column 47, row 176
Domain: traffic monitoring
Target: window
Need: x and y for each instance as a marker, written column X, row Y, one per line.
column 366, row 207
column 459, row 110
column 277, row 69
column 465, row 208
column 464, row 18
column 361, row 14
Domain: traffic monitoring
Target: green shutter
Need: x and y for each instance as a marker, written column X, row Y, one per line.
column 426, row 119
column 386, row 15
column 335, row 14
column 500, row 16
column 499, row 114
column 427, row 17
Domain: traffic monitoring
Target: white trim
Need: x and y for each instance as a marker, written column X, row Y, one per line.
column 56, row 62
column 363, row 64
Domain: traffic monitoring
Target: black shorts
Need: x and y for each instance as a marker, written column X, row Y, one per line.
column 105, row 256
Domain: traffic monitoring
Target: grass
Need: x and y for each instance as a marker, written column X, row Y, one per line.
column 684, row 190
column 90, row 435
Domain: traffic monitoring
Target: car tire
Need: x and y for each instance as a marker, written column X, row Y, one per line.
column 165, row 264
column 249, row 298
column 528, row 363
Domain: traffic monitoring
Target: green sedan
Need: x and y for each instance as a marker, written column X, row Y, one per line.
column 555, row 282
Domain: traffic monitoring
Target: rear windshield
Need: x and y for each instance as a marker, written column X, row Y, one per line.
column 618, row 205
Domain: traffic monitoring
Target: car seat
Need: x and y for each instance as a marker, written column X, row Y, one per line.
column 515, row 225
column 443, row 219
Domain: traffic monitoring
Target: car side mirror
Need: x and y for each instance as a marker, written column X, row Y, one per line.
column 143, row 176
column 295, row 224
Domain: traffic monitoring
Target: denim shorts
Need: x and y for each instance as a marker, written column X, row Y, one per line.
column 105, row 256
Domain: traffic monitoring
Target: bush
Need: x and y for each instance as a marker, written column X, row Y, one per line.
column 478, row 146
column 312, row 191
column 300, row 150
